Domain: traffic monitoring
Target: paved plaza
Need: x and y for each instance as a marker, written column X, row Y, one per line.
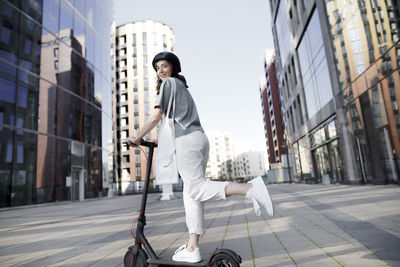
column 314, row 225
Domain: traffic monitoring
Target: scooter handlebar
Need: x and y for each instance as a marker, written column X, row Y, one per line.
column 142, row 143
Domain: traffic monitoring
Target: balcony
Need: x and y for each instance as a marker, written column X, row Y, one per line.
column 123, row 103
column 125, row 165
column 122, row 91
column 124, row 152
column 124, row 127
column 121, row 80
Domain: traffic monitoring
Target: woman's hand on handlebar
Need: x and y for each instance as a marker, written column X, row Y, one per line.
column 132, row 141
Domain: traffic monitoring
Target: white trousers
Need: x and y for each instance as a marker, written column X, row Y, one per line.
column 191, row 157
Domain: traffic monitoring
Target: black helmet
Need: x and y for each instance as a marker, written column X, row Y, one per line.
column 170, row 57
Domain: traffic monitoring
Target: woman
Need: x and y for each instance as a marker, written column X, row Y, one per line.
column 191, row 154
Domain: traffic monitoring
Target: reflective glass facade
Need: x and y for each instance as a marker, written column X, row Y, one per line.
column 55, row 100
column 365, row 38
column 341, row 89
column 314, row 67
column 283, row 31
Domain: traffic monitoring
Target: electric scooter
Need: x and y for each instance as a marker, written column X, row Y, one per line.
column 142, row 254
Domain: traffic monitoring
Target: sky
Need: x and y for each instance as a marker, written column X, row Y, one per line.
column 221, row 46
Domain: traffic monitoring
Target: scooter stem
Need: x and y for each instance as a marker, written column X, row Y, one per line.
column 142, row 218
column 147, row 180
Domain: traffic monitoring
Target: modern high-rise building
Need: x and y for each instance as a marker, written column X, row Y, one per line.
column 230, row 160
column 248, row 163
column 220, row 163
column 242, row 166
column 134, row 46
column 257, row 163
column 55, row 100
column 272, row 114
column 338, row 64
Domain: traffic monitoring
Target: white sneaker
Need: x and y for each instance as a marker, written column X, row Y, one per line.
column 260, row 196
column 183, row 254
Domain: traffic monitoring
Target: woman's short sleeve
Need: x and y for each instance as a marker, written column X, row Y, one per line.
column 163, row 97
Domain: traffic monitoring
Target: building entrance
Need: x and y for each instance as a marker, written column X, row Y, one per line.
column 327, row 162
column 77, row 184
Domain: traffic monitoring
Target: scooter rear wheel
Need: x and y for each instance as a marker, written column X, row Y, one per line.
column 138, row 260
column 224, row 260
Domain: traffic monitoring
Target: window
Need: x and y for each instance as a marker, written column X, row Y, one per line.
column 155, row 39
column 314, row 68
column 146, row 97
column 283, row 32
column 134, row 40
column 9, row 151
column 164, row 40
column 20, row 153
column 5, row 35
column 299, row 112
column 124, row 134
column 144, row 38
column 144, row 61
column 28, row 46
column 294, row 72
column 147, row 108
column 291, row 120
column 122, row 39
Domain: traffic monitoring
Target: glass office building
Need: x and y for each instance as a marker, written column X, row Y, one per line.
column 338, row 64
column 366, row 47
column 55, row 100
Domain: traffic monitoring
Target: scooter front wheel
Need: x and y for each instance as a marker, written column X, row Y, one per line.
column 135, row 259
column 224, row 260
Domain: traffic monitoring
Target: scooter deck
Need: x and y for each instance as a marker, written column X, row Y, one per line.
column 169, row 262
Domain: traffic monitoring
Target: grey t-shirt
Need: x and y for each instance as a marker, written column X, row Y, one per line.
column 186, row 117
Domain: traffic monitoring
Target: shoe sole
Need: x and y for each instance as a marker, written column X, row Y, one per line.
column 259, row 183
column 186, row 260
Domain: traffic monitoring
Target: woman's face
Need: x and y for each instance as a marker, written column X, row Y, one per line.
column 164, row 69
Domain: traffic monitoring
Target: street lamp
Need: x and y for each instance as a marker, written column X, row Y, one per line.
column 285, row 145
